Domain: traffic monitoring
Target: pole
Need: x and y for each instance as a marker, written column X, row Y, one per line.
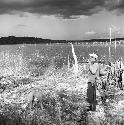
column 110, row 43
column 115, row 48
column 68, row 62
column 75, row 59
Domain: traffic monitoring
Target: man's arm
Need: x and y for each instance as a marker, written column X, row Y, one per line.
column 93, row 67
column 104, row 70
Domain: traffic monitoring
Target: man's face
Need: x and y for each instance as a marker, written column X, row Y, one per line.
column 92, row 58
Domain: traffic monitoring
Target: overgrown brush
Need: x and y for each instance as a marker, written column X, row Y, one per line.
column 60, row 100
column 63, row 99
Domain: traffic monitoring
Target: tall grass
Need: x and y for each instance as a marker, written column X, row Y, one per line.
column 12, row 64
column 62, row 95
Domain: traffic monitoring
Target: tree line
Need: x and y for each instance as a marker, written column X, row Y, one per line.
column 35, row 40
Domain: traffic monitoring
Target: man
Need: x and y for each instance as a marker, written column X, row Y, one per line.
column 95, row 72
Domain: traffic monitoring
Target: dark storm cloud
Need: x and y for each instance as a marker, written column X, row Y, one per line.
column 114, row 4
column 64, row 8
column 117, row 5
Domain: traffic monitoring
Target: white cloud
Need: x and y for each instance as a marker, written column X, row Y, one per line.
column 90, row 33
column 17, row 1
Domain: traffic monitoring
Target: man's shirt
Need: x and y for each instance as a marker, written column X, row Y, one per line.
column 96, row 71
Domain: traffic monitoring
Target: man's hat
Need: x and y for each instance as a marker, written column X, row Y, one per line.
column 93, row 55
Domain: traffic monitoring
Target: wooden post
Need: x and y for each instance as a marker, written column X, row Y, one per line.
column 110, row 43
column 115, row 48
column 68, row 63
column 75, row 59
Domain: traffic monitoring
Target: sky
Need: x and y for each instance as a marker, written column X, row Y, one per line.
column 62, row 19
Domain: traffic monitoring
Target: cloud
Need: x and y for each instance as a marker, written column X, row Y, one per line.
column 63, row 8
column 21, row 25
column 90, row 33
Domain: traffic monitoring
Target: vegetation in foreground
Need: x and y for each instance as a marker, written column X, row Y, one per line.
column 60, row 98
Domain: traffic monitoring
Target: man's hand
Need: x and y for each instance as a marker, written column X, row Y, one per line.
column 93, row 68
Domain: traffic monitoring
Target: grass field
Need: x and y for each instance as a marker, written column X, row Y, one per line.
column 60, row 95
